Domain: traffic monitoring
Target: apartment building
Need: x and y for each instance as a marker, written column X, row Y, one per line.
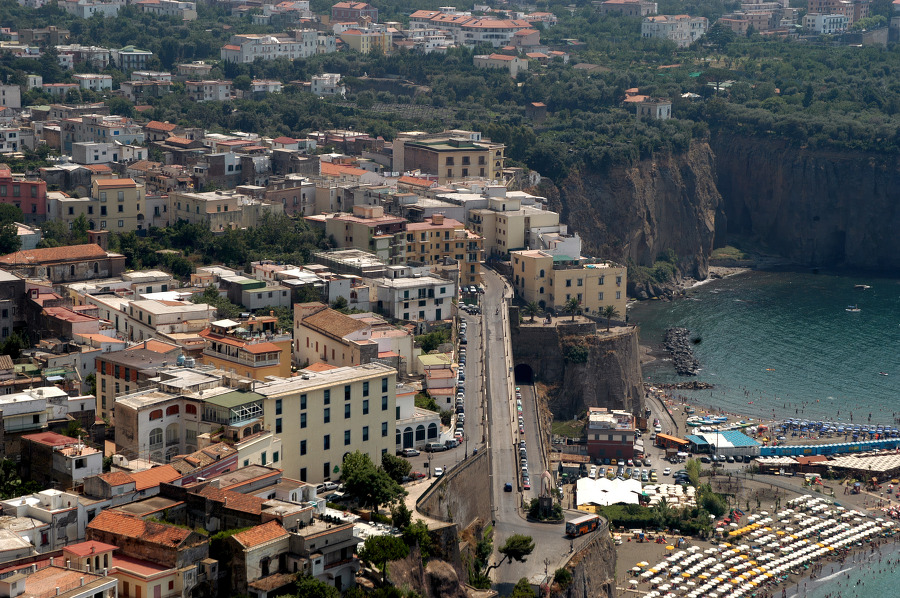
column 513, row 64
column 414, row 298
column 138, row 91
column 248, row 47
column 15, row 139
column 322, row 334
column 353, row 11
column 209, row 91
column 367, row 228
column 99, row 128
column 186, row 11
column 610, row 434
column 11, row 96
column 628, row 8
column 220, row 210
column 681, row 29
column 194, row 71
column 105, row 153
column 331, row 413
column 30, row 195
column 130, row 58
column 468, row 30
column 121, row 372
column 826, row 24
column 374, row 40
column 254, row 348
column 550, row 280
column 854, row 10
column 95, row 56
column 452, row 158
column 86, row 9
column 94, row 82
column 508, row 223
column 118, row 204
column 327, row 84
column 438, row 239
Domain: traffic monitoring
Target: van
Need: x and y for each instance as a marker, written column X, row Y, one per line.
column 522, row 452
column 449, row 444
column 435, row 447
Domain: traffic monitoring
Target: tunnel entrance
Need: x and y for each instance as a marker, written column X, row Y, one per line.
column 524, row 374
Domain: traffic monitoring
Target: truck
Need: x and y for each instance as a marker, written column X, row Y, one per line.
column 582, row 525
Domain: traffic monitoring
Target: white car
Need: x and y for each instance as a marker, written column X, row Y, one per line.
column 667, row 471
column 438, row 472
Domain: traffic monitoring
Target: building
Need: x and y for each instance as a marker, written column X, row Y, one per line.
column 87, row 152
column 330, row 413
column 610, row 434
column 95, row 56
column 550, row 280
column 186, row 11
column 30, row 195
column 655, row 108
column 194, row 71
column 511, row 221
column 826, row 24
column 51, row 459
column 367, row 228
column 86, row 9
column 854, row 10
column 416, row 427
column 209, row 91
column 344, row 12
column 450, row 157
column 681, row 29
column 220, row 210
column 46, row 36
column 65, row 264
column 628, row 8
column 327, row 84
column 513, row 64
column 10, row 96
column 248, row 47
column 438, row 239
column 139, row 91
column 254, row 348
column 56, row 580
column 129, row 58
column 117, row 204
column 324, row 335
column 420, row 298
column 374, row 40
column 94, row 82
column 121, row 372
column 98, row 128
column 468, row 30
column 15, row 139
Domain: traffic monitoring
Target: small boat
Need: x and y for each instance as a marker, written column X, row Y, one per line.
column 852, row 308
column 861, row 287
column 882, row 373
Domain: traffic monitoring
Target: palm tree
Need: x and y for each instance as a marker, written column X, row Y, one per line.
column 572, row 305
column 532, row 309
column 609, row 312
column 661, row 513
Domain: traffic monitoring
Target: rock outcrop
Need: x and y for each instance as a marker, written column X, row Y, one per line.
column 593, row 571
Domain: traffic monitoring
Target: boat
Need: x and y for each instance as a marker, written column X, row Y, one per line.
column 861, row 287
column 852, row 308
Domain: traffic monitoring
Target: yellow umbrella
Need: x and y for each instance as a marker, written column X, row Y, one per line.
column 670, row 548
column 685, row 574
column 733, row 570
column 703, row 576
column 727, row 545
column 779, row 533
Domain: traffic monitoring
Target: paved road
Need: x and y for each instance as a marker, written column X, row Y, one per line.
column 551, row 544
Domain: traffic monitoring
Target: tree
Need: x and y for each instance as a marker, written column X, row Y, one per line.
column 10, row 213
column 532, row 309
column 339, row 303
column 80, row 230
column 609, row 312
column 242, row 82
column 310, row 587
column 396, row 467
column 693, row 468
column 371, row 485
column 523, row 589
column 518, row 547
column 562, row 577
column 378, row 550
column 662, row 512
column 417, row 534
column 11, row 485
column 572, row 304
column 401, row 516
column 9, row 238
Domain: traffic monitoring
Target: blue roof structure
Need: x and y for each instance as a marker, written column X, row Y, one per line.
column 738, row 439
column 697, row 440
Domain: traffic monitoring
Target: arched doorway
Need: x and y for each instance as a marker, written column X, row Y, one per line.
column 524, row 374
column 408, row 441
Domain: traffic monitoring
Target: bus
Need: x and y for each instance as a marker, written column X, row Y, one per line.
column 582, row 525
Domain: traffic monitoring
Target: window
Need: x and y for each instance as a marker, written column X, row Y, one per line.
column 618, row 294
column 384, row 402
column 328, row 396
column 121, row 209
column 346, row 392
column 384, row 383
column 156, row 414
column 302, row 474
column 383, row 429
column 80, row 463
column 346, row 437
column 568, row 282
column 275, row 457
column 263, row 459
column 365, row 433
column 365, row 388
column 600, row 296
column 302, row 401
column 449, row 161
column 326, row 415
column 326, row 470
column 156, row 436
column 581, row 282
column 347, row 411
column 366, row 407
column 278, row 426
column 277, row 406
column 121, row 223
column 326, row 442
column 302, row 447
column 601, row 280
column 302, row 420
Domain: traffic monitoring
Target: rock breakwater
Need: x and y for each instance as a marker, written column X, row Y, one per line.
column 678, row 343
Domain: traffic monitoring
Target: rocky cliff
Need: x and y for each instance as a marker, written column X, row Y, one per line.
column 814, row 207
column 636, row 213
column 593, row 571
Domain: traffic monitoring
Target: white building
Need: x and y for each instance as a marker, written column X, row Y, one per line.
column 681, row 29
column 186, row 11
column 468, row 30
column 130, row 58
column 826, row 24
column 209, row 91
column 327, row 84
column 94, row 82
column 417, row 298
column 513, row 64
column 86, row 9
column 10, row 96
column 246, row 48
column 151, row 76
column 416, row 427
column 265, row 86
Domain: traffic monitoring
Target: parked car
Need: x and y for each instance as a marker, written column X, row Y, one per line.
column 438, row 472
column 411, row 452
column 326, row 487
column 416, row 475
column 667, row 471
column 435, row 447
column 526, row 484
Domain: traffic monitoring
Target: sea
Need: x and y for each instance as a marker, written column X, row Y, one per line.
column 782, row 344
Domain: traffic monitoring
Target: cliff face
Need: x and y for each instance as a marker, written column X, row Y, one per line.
column 814, row 207
column 593, row 570
column 638, row 212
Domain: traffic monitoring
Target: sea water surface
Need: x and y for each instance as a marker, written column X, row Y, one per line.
column 784, row 341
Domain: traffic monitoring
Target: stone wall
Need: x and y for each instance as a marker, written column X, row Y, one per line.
column 462, row 495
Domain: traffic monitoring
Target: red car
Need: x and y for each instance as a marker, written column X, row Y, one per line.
column 526, row 485
column 417, row 475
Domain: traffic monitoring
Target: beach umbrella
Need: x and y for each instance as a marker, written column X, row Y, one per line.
column 633, row 582
column 670, row 548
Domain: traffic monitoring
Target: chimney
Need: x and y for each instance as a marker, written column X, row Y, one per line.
column 82, row 582
column 437, row 219
column 57, row 591
column 51, row 561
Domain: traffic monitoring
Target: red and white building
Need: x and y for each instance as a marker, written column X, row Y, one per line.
column 610, row 434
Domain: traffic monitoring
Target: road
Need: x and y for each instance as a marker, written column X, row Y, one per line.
column 551, row 546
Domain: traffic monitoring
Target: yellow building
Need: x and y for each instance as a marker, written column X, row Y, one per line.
column 551, row 280
column 453, row 158
column 507, row 225
column 115, row 205
column 328, row 412
column 437, row 238
column 367, row 41
column 367, row 228
column 253, row 348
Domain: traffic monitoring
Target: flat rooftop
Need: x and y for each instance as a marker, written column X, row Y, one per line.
column 145, row 507
column 313, row 380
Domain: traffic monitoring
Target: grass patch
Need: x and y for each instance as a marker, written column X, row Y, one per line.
column 728, row 253
column 570, row 429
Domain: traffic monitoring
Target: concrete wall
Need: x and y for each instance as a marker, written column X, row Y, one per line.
column 461, row 495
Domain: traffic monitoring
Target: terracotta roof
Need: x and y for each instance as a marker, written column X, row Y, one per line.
column 144, row 165
column 285, row 140
column 90, row 547
column 230, row 499
column 149, row 532
column 89, row 251
column 333, row 322
column 50, row 439
column 524, row 32
column 329, row 169
column 117, row 478
column 411, row 180
column 320, row 367
column 116, row 183
column 231, row 47
column 98, row 168
column 158, row 126
column 151, row 478
column 261, row 534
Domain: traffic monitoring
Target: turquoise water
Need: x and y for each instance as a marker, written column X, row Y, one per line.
column 863, row 576
column 783, row 341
